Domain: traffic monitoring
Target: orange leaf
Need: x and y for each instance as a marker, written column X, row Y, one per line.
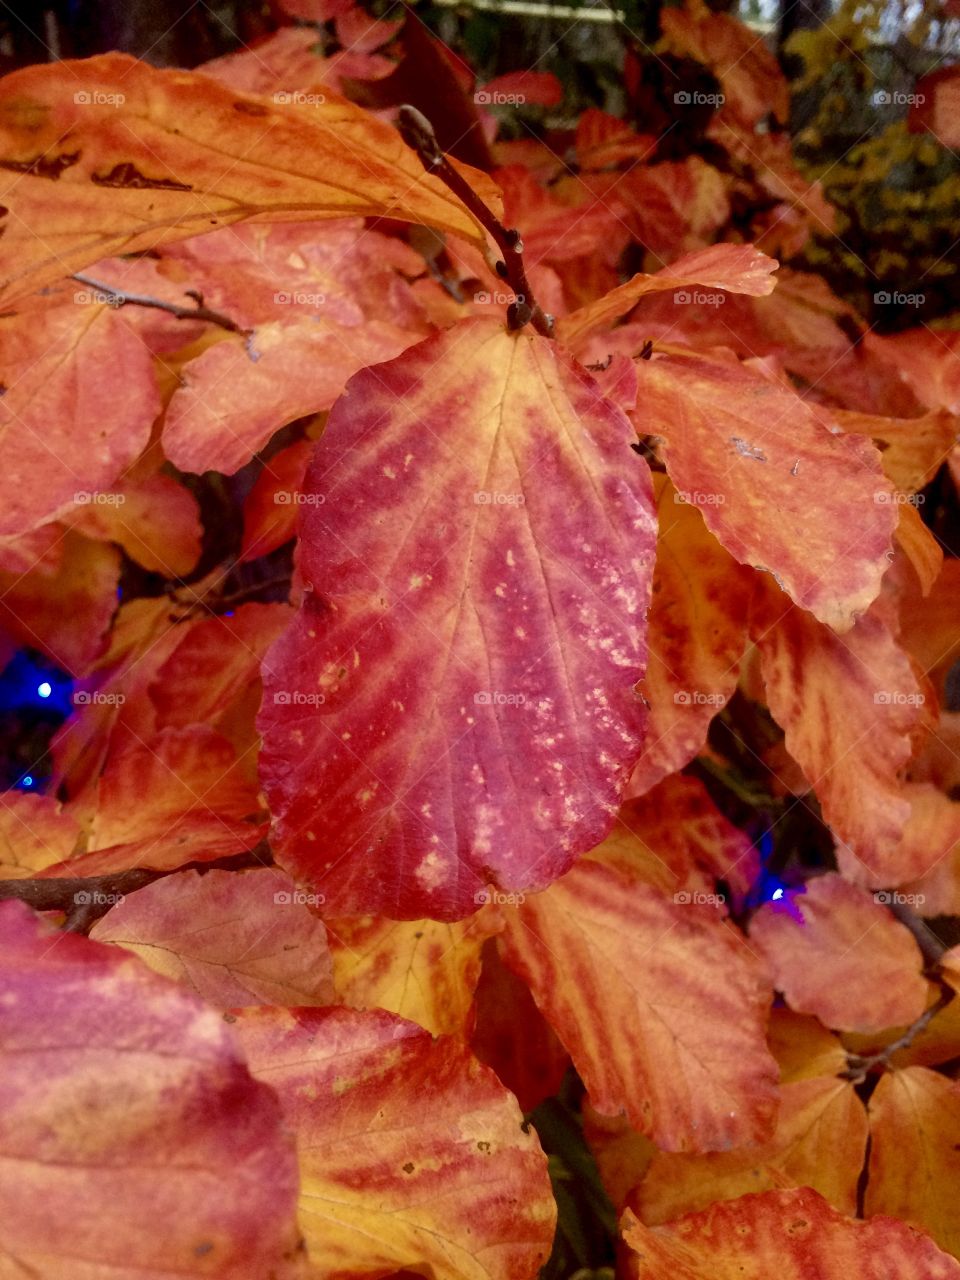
column 237, row 938
column 793, row 1235
column 411, row 1153
column 914, row 1169
column 238, row 392
column 66, row 614
column 272, row 508
column 111, row 155
column 851, row 749
column 754, row 457
column 739, row 268
column 66, row 433
column 698, row 632
column 35, row 832
column 661, row 1006
column 820, row 1142
column 454, row 704
column 837, row 953
column 130, row 1115
column 154, row 518
column 419, row 969
column 216, row 661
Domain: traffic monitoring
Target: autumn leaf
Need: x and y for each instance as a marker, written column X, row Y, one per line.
column 820, row 1141
column 752, row 456
column 235, row 938
column 131, row 1116
column 836, row 952
column 660, row 1005
column 271, row 511
column 67, row 431
column 698, row 632
column 914, row 1169
column 156, row 155
column 215, row 662
column 790, row 1234
column 422, row 970
column 35, row 832
column 738, row 268
column 411, row 1153
column 852, row 751
column 477, row 563
column 175, row 798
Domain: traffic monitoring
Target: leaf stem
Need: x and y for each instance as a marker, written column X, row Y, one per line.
column 417, row 132
column 858, row 1065
column 86, row 898
column 198, row 311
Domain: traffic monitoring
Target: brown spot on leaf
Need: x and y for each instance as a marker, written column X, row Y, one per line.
column 409, row 1167
column 43, row 166
column 128, row 175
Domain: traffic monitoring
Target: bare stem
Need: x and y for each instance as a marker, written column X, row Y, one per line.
column 86, row 898
column 858, row 1066
column 418, row 133
column 196, row 311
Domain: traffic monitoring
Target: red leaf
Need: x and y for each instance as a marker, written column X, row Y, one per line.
column 454, row 704
column 141, row 1144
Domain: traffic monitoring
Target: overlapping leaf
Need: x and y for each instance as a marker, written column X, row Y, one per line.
column 756, row 455
column 111, row 155
column 790, row 1234
column 836, row 952
column 661, row 1006
column 236, row 938
column 455, row 703
column 411, row 1153
column 135, row 1141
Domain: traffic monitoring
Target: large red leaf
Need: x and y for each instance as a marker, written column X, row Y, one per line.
column 135, row 1143
column 756, row 457
column 661, row 1006
column 111, row 155
column 411, row 1152
column 793, row 1235
column 455, row 703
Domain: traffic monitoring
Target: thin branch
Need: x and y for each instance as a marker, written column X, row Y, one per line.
column 418, row 133
column 86, row 898
column 198, row 311
column 858, row 1065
